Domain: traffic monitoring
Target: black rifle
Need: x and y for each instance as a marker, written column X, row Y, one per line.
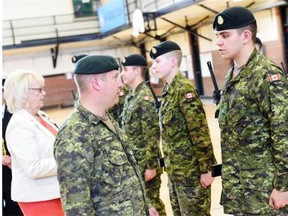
column 157, row 103
column 216, row 93
column 216, row 89
column 216, row 168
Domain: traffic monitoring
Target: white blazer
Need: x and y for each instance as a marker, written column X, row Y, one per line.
column 33, row 165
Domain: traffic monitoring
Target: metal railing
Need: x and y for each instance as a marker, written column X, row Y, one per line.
column 17, row 32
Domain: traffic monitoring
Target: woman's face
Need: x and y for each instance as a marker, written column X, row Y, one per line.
column 35, row 99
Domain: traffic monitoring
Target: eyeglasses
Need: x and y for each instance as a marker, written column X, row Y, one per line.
column 40, row 90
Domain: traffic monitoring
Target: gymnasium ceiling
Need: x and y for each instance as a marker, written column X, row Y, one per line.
column 169, row 20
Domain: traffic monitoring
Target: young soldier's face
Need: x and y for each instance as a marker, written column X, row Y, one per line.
column 229, row 43
column 128, row 75
column 162, row 66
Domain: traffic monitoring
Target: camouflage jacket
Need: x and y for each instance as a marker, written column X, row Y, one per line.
column 96, row 170
column 187, row 147
column 117, row 109
column 140, row 124
column 254, row 136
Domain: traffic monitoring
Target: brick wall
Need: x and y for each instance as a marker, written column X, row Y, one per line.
column 58, row 91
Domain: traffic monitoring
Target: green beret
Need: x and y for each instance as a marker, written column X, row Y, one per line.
column 134, row 60
column 162, row 48
column 95, row 64
column 77, row 58
column 233, row 18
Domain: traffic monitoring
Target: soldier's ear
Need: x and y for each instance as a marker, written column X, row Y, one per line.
column 95, row 84
column 247, row 36
column 174, row 61
column 137, row 70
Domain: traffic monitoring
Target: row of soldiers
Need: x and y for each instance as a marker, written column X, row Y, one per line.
column 137, row 116
column 107, row 167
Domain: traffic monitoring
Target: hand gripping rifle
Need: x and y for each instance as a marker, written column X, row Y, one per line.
column 216, row 168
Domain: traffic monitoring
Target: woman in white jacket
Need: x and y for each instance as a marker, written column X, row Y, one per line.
column 30, row 137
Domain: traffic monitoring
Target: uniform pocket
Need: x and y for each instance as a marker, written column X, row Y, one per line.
column 168, row 122
column 113, row 169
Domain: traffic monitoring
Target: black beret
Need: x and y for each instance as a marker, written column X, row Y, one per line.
column 77, row 58
column 95, row 64
column 233, row 18
column 162, row 48
column 134, row 60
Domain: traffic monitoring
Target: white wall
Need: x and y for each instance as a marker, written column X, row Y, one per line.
column 18, row 9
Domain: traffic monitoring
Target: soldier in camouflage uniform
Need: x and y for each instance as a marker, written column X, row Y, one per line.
column 97, row 171
column 117, row 109
column 253, row 120
column 140, row 124
column 187, row 147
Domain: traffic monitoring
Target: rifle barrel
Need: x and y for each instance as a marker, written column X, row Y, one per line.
column 212, row 75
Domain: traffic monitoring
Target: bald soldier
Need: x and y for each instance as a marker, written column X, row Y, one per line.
column 187, row 147
column 139, row 121
column 253, row 120
column 97, row 171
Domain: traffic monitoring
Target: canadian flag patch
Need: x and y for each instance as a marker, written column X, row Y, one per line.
column 189, row 96
column 146, row 98
column 274, row 77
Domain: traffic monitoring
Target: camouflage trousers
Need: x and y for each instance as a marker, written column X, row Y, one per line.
column 153, row 194
column 249, row 201
column 189, row 199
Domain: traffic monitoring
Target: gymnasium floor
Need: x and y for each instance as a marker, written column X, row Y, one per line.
column 59, row 115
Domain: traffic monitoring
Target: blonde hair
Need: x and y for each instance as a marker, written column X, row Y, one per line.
column 177, row 54
column 16, row 88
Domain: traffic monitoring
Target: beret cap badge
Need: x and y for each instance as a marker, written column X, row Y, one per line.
column 154, row 50
column 123, row 60
column 233, row 18
column 220, row 20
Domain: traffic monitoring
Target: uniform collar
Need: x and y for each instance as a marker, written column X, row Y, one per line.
column 92, row 118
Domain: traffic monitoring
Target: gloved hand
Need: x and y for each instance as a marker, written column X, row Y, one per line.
column 216, row 96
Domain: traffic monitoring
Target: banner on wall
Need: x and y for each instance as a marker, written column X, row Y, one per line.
column 112, row 15
column 85, row 8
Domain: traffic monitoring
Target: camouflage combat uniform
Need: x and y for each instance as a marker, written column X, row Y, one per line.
column 254, row 137
column 96, row 170
column 140, row 124
column 117, row 109
column 187, row 147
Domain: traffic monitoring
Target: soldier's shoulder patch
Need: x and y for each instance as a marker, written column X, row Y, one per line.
column 189, row 96
column 146, row 98
column 274, row 77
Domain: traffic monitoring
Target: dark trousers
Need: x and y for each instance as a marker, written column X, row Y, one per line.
column 9, row 207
